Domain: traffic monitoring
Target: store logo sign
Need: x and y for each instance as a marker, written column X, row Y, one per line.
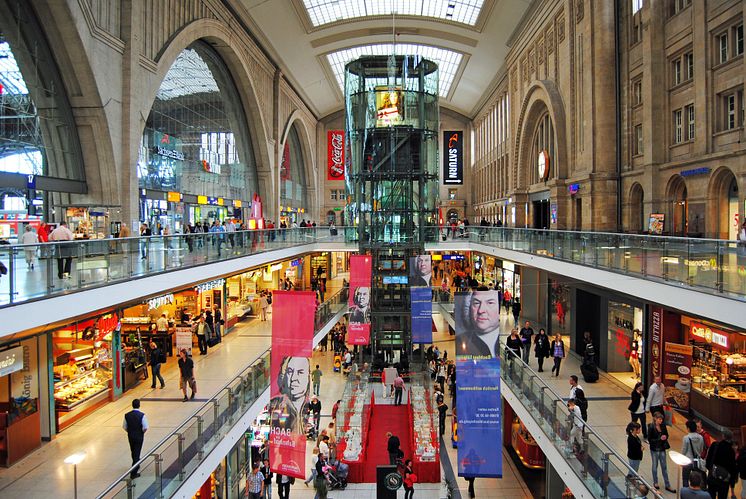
column 207, row 286
column 709, row 335
column 11, row 361
column 160, row 301
column 335, row 155
column 168, row 153
column 453, row 145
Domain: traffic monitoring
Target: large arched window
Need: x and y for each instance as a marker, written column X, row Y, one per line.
column 543, row 140
column 293, row 187
column 196, row 140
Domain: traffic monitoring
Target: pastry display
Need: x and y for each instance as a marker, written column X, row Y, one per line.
column 68, row 394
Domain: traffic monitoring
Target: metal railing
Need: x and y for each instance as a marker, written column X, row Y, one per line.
column 604, row 471
column 99, row 262
column 164, row 469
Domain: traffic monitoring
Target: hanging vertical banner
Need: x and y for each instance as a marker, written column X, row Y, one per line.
column 453, row 158
column 420, row 270
column 290, row 379
column 361, row 268
column 335, row 155
column 478, row 401
column 422, row 315
column 656, row 350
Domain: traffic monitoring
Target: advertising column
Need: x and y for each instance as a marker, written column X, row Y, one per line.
column 290, row 388
column 420, row 276
column 478, row 400
column 361, row 267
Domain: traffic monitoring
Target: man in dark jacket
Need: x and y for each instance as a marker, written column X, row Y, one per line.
column 721, row 464
column 526, row 334
column 393, row 447
column 135, row 424
column 156, row 358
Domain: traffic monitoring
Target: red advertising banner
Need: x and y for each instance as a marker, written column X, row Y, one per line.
column 335, row 155
column 677, row 375
column 656, row 357
column 715, row 337
column 290, row 380
column 361, row 269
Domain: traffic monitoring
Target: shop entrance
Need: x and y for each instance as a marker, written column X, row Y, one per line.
column 541, row 214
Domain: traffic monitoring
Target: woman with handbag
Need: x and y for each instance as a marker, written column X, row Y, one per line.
column 721, row 464
column 658, row 438
column 637, row 408
column 692, row 446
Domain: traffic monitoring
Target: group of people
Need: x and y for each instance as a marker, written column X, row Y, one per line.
column 715, row 465
column 522, row 342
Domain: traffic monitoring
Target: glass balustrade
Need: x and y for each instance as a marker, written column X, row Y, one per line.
column 176, row 457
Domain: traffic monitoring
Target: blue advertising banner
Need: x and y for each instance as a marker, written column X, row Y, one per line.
column 478, row 404
column 422, row 315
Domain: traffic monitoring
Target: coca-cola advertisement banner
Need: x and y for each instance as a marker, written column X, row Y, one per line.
column 361, row 269
column 335, row 144
column 290, row 375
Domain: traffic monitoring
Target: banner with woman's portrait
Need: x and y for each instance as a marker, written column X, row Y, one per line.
column 361, row 269
column 290, row 375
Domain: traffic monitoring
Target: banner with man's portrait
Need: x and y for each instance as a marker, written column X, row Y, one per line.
column 361, row 269
column 290, row 375
column 420, row 270
column 478, row 403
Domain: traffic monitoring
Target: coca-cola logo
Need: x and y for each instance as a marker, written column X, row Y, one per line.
column 336, row 154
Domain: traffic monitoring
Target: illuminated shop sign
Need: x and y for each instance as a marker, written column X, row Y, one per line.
column 174, row 197
column 160, row 301
column 709, row 334
column 168, row 153
column 335, row 155
column 274, row 268
column 696, row 171
column 207, row 286
column 296, row 263
column 453, row 154
column 201, row 199
column 11, row 361
column 454, row 257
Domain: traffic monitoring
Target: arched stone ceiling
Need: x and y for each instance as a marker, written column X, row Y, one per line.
column 310, row 46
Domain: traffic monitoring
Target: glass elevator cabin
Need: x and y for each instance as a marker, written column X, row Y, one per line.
column 391, row 111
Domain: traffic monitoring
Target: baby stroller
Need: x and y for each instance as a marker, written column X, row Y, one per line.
column 311, row 432
column 336, row 475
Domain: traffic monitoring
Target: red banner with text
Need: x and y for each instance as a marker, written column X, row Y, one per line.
column 290, row 379
column 361, row 269
column 335, row 154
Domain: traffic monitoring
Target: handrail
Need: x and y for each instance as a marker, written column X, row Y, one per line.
column 323, row 314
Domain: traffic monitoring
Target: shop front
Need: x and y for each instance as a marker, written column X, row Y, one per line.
column 242, row 297
column 703, row 365
column 20, row 408
column 509, row 275
column 85, row 355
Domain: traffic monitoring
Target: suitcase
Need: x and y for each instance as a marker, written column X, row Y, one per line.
column 212, row 341
column 589, row 372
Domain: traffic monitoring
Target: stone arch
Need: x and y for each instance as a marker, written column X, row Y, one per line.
column 542, row 96
column 676, row 206
column 635, row 208
column 238, row 61
column 721, row 215
column 309, row 163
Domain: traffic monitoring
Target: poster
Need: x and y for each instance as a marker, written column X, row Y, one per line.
column 290, row 380
column 677, row 375
column 388, row 106
column 420, row 270
column 478, row 400
column 358, row 331
column 335, row 155
column 184, row 339
column 655, row 223
column 422, row 315
column 24, row 383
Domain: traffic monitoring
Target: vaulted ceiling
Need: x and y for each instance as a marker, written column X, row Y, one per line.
column 312, row 40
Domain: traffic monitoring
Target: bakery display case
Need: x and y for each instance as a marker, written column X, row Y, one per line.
column 69, row 395
column 719, row 386
column 82, row 382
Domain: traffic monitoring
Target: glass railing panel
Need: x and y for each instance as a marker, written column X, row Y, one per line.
column 703, row 264
column 170, row 477
column 732, row 268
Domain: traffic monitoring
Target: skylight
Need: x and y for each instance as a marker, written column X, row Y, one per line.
column 328, row 11
column 11, row 78
column 447, row 60
column 188, row 75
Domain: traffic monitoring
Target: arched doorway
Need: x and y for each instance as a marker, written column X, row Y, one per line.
column 723, row 203
column 542, row 167
column 636, row 209
column 293, row 186
column 677, row 206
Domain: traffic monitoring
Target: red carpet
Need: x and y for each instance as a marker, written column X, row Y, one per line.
column 385, row 418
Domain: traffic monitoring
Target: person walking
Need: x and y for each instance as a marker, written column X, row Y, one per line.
column 542, row 348
column 526, row 334
column 320, row 481
column 721, row 464
column 636, row 408
column 692, row 446
column 398, row 389
column 656, row 394
column 201, row 329
column 315, row 407
column 255, row 482
column 514, row 345
column 314, row 459
column 634, row 446
column 156, row 359
column 392, row 447
column 217, row 322
column 135, row 424
column 263, row 304
column 283, row 486
column 64, row 236
column 516, row 307
column 267, row 473
column 558, row 353
column 145, row 231
column 576, row 424
column 29, row 237
column 409, row 480
column 442, row 410
column 658, row 438
column 316, row 378
column 186, row 371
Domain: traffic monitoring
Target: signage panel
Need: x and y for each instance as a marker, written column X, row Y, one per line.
column 335, row 155
column 453, row 157
column 11, row 361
